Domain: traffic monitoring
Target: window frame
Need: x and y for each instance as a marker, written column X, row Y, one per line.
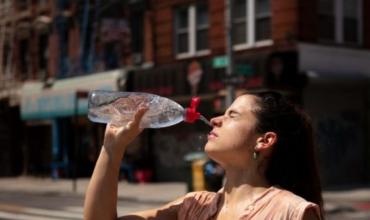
column 339, row 25
column 191, row 30
column 250, row 22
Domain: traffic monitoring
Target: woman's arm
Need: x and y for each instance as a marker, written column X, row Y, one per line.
column 101, row 194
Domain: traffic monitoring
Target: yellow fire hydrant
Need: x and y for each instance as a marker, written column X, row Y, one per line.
column 198, row 174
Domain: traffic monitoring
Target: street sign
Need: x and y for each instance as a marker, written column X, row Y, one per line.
column 220, row 62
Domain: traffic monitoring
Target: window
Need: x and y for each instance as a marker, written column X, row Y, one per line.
column 6, row 58
column 191, row 30
column 24, row 59
column 340, row 21
column 63, row 4
column 42, row 55
column 62, row 30
column 251, row 20
column 22, row 4
column 263, row 20
column 43, row 2
column 136, row 26
column 350, row 21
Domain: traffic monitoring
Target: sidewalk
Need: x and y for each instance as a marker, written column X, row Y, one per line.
column 335, row 201
column 350, row 200
column 151, row 192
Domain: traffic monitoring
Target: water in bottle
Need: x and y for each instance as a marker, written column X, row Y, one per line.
column 118, row 108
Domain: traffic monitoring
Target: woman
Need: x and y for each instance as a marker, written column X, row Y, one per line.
column 265, row 146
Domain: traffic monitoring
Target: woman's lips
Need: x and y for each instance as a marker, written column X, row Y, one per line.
column 212, row 134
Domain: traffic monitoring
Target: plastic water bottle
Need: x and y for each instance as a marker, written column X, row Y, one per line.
column 119, row 108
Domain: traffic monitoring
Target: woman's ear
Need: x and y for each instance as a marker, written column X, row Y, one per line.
column 266, row 141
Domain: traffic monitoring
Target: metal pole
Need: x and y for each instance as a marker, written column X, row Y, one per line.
column 79, row 94
column 76, row 144
column 230, row 90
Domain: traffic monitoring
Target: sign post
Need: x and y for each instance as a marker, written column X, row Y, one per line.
column 230, row 95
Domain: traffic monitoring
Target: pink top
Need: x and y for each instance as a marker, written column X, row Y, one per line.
column 274, row 203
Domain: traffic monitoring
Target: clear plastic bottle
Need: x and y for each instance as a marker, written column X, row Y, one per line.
column 119, row 108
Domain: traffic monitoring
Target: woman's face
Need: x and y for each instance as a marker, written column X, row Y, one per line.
column 233, row 136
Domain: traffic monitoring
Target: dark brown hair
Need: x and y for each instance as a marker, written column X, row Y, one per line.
column 293, row 161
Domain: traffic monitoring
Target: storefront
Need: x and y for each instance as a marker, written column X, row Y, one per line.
column 169, row 147
column 331, row 84
column 337, row 98
column 56, row 122
column 11, row 129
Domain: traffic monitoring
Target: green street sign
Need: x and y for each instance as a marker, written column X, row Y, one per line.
column 244, row 69
column 220, row 62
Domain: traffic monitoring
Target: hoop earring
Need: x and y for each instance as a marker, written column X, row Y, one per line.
column 255, row 155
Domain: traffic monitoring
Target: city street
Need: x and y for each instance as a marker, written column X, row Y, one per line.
column 30, row 198
column 41, row 199
column 285, row 85
column 348, row 212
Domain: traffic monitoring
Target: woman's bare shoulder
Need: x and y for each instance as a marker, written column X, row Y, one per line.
column 311, row 214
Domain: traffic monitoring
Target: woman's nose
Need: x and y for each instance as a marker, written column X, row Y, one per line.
column 216, row 121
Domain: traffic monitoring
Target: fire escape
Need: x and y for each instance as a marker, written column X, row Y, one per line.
column 8, row 82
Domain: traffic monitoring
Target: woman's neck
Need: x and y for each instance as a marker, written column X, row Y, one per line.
column 243, row 185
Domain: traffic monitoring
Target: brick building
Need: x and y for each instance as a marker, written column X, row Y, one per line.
column 315, row 51
column 52, row 53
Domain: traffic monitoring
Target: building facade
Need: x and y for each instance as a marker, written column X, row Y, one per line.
column 315, row 52
column 54, row 52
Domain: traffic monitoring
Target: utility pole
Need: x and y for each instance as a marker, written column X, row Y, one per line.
column 230, row 89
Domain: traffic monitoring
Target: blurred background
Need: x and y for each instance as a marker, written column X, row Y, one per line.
column 52, row 53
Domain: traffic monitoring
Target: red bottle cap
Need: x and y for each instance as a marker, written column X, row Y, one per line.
column 191, row 114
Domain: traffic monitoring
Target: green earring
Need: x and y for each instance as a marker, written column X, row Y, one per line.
column 255, row 155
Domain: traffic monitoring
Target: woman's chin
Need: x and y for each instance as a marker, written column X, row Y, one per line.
column 210, row 149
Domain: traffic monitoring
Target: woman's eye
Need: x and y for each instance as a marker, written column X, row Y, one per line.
column 232, row 114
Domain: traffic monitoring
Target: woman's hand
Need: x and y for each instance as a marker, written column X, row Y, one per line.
column 116, row 138
column 101, row 194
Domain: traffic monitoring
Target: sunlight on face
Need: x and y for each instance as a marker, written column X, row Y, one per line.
column 233, row 136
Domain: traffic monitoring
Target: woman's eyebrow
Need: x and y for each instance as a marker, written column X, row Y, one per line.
column 233, row 111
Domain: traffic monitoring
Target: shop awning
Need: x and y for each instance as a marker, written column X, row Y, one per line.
column 39, row 101
column 328, row 64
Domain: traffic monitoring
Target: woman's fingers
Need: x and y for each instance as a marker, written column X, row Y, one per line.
column 128, row 132
column 134, row 124
column 121, row 135
column 139, row 115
